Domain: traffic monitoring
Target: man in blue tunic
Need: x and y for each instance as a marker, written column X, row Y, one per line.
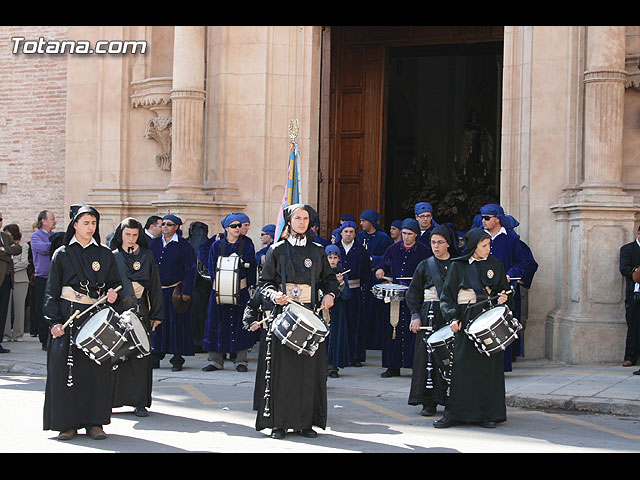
column 399, row 262
column 177, row 265
column 376, row 241
column 267, row 235
column 424, row 216
column 355, row 259
column 224, row 332
column 506, row 247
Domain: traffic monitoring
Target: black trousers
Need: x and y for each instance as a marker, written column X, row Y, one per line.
column 5, row 295
column 37, row 304
column 632, row 344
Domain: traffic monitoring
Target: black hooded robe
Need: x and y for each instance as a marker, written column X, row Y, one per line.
column 76, row 396
column 296, row 397
column 133, row 378
column 477, row 392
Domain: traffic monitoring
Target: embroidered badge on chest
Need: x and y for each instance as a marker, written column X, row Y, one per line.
column 136, row 265
column 490, row 273
column 95, row 266
column 308, row 262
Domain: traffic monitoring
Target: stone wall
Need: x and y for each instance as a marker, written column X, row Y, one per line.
column 33, row 102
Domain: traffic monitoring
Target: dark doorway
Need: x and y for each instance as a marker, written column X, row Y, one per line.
column 443, row 130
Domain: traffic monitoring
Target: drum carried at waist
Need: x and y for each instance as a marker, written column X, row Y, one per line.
column 107, row 336
column 227, row 283
column 389, row 292
column 300, row 329
column 440, row 344
column 494, row 330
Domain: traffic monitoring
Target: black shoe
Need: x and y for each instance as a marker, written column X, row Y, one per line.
column 488, row 424
column 278, row 433
column 210, row 368
column 333, row 374
column 428, row 410
column 356, row 364
column 444, row 422
column 141, row 412
column 242, row 368
column 308, row 433
column 637, row 372
column 390, row 372
column 176, row 368
column 4, row 350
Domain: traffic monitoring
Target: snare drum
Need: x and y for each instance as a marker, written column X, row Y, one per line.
column 440, row 344
column 102, row 336
column 138, row 344
column 494, row 330
column 227, row 280
column 300, row 329
column 389, row 292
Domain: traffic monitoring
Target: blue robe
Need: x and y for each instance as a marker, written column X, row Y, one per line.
column 224, row 332
column 357, row 261
column 176, row 263
column 396, row 262
column 337, row 341
column 508, row 249
column 376, row 244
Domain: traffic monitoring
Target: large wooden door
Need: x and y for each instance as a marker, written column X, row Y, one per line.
column 356, row 136
column 356, row 162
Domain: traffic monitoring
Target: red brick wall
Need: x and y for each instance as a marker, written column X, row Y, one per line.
column 32, row 129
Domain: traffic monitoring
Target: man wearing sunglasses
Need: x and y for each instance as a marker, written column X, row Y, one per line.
column 224, row 332
column 507, row 247
column 177, row 265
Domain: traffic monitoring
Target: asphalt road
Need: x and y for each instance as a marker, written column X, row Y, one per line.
column 191, row 415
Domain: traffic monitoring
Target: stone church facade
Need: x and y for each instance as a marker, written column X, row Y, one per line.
column 198, row 126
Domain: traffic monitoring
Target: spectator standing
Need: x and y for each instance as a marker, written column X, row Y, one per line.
column 14, row 331
column 40, row 246
column 8, row 248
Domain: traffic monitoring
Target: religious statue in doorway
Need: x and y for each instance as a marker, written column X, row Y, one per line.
column 476, row 153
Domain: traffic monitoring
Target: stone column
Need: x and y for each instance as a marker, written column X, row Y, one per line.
column 187, row 98
column 604, row 85
column 595, row 217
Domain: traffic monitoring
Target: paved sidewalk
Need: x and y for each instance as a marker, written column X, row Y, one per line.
column 541, row 384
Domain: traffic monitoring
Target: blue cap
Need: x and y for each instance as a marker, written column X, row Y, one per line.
column 411, row 224
column 332, row 249
column 173, row 218
column 423, row 207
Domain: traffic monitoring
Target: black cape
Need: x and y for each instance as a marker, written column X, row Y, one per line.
column 133, row 379
column 297, row 396
column 79, row 395
column 477, row 392
column 428, row 386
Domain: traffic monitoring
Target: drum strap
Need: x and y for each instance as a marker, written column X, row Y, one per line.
column 472, row 274
column 80, row 271
column 128, row 293
column 434, row 271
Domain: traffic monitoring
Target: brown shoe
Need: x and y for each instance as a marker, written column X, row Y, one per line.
column 627, row 363
column 67, row 435
column 97, row 433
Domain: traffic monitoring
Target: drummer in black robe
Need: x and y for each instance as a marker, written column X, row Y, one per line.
column 291, row 388
column 428, row 385
column 141, row 293
column 78, row 390
column 477, row 392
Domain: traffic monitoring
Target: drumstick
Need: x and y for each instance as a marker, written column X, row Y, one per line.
column 98, row 302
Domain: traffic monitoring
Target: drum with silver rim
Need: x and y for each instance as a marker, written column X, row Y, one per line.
column 138, row 344
column 102, row 336
column 440, row 344
column 389, row 292
column 300, row 329
column 493, row 330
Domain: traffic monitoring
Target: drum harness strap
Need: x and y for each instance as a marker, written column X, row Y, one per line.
column 268, row 338
column 84, row 282
column 434, row 272
column 471, row 272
